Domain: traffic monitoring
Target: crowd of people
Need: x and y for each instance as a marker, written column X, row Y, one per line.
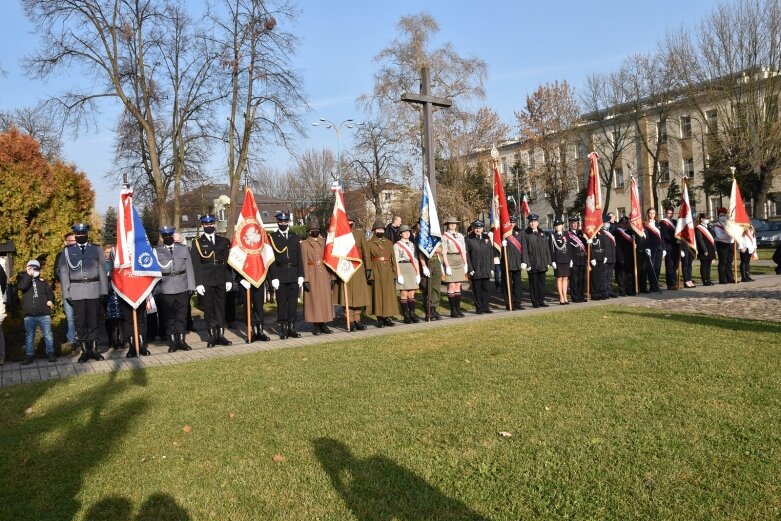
column 617, row 261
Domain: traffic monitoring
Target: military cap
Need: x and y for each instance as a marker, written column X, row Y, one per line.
column 558, row 222
column 605, row 219
column 513, row 219
column 574, row 218
column 377, row 225
column 282, row 217
column 207, row 219
column 167, row 230
column 624, row 219
column 534, row 217
column 314, row 224
column 478, row 224
column 80, row 228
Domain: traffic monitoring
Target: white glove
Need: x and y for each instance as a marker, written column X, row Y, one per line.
column 593, row 262
column 604, row 261
column 664, row 253
column 426, row 271
column 523, row 266
column 683, row 254
column 466, row 269
column 244, row 283
column 528, row 268
column 400, row 279
column 448, row 271
column 504, row 243
column 554, row 265
column 570, row 264
column 589, row 241
column 417, row 279
column 200, row 290
column 275, row 283
column 648, row 252
column 228, row 286
column 300, row 281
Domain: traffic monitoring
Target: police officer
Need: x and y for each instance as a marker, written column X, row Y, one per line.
column 209, row 254
column 480, row 259
column 174, row 289
column 286, row 274
column 84, row 284
column 576, row 243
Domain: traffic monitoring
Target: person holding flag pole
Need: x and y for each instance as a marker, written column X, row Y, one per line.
column 251, row 255
column 501, row 227
column 684, row 232
column 174, row 290
column 429, row 241
column 592, row 217
column 638, row 237
column 737, row 223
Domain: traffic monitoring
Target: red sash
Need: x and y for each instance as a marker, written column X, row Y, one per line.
column 409, row 255
column 668, row 223
column 707, row 234
column 609, row 236
column 654, row 230
column 452, row 239
column 512, row 240
column 577, row 240
column 624, row 235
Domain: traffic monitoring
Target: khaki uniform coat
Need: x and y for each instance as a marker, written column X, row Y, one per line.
column 317, row 301
column 382, row 262
column 456, row 256
column 358, row 291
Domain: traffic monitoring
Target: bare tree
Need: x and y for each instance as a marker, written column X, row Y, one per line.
column 40, row 125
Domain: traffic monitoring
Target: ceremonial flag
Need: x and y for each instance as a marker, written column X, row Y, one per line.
column 737, row 218
column 525, row 207
column 684, row 228
column 635, row 213
column 592, row 221
column 341, row 253
column 500, row 217
column 251, row 253
column 430, row 234
column 136, row 270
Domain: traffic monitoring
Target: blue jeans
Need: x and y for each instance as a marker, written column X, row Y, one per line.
column 71, row 334
column 30, row 323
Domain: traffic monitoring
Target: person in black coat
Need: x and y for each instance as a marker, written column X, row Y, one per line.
column 577, row 248
column 608, row 241
column 480, row 259
column 652, row 254
column 672, row 249
column 209, row 254
column 513, row 253
column 286, row 274
column 706, row 248
column 777, row 258
column 625, row 257
column 561, row 259
column 37, row 302
column 535, row 244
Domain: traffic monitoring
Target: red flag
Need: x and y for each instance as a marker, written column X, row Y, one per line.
column 635, row 213
column 525, row 206
column 341, row 253
column 737, row 218
column 251, row 253
column 592, row 221
column 684, row 228
column 500, row 217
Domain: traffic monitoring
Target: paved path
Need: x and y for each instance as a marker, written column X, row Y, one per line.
column 760, row 299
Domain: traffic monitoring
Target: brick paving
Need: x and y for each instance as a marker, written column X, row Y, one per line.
column 753, row 300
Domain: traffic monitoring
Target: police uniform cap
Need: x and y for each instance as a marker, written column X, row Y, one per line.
column 282, row 217
column 574, row 218
column 167, row 230
column 314, row 224
column 558, row 222
column 513, row 219
column 534, row 217
column 208, row 219
column 80, row 228
column 33, row 263
column 478, row 224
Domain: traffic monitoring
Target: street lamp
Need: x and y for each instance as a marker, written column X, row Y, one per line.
column 347, row 123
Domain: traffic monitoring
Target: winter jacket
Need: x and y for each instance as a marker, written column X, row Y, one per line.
column 36, row 292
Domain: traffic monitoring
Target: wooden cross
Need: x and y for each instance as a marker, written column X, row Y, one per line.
column 428, row 102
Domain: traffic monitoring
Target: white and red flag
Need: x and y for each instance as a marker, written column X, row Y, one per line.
column 525, row 207
column 500, row 216
column 684, row 228
column 635, row 212
column 592, row 218
column 737, row 218
column 251, row 253
column 341, row 253
column 136, row 270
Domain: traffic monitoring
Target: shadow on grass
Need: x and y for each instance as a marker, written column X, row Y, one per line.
column 378, row 489
column 46, row 457
column 708, row 321
column 157, row 507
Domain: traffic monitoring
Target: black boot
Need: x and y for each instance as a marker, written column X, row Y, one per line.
column 173, row 343
column 458, row 306
column 380, row 321
column 324, row 329
column 260, row 335
column 435, row 314
column 282, row 330
column 316, row 328
column 132, row 352
column 144, row 346
column 94, row 351
column 388, row 321
column 358, row 326
column 211, row 341
column 292, row 333
column 220, row 337
column 411, row 307
column 181, row 344
column 452, row 302
column 84, row 353
column 405, row 312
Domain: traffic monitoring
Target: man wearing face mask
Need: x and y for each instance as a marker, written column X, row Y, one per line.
column 84, row 284
column 174, row 289
column 318, row 281
column 724, row 248
column 706, row 248
column 286, row 274
column 381, row 272
column 209, row 254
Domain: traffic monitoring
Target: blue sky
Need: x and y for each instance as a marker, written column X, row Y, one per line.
column 524, row 44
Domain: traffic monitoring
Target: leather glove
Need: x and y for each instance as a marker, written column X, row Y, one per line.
column 417, row 279
column 604, row 261
column 275, row 283
column 368, row 275
column 448, row 271
column 571, row 264
column 244, row 283
column 426, row 272
column 400, row 279
column 523, row 266
column 589, row 241
column 307, row 287
column 228, row 286
column 593, row 262
column 300, row 281
column 554, row 265
column 200, row 289
column 648, row 252
column 683, row 254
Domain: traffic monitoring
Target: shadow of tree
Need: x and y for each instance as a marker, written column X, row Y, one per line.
column 710, row 321
column 47, row 457
column 157, row 507
column 378, row 489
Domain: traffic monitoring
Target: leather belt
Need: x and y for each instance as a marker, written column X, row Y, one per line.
column 215, row 261
column 403, row 261
column 289, row 265
column 318, row 263
column 85, row 280
column 175, row 273
column 379, row 259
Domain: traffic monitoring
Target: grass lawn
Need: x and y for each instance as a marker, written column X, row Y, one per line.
column 614, row 413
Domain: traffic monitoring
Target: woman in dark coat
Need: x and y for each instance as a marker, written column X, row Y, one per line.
column 706, row 248
column 562, row 259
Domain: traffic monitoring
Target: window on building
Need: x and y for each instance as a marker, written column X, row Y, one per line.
column 549, row 218
column 739, row 115
column 221, row 214
column 264, row 214
column 688, row 167
column 618, row 177
column 504, row 165
column 661, row 131
column 664, row 171
column 531, row 159
column 715, row 203
column 387, row 195
column 582, row 150
column 184, row 218
column 686, row 127
column 621, row 210
column 775, row 206
column 712, row 118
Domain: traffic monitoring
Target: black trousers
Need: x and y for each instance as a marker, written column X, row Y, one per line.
column 127, row 317
column 745, row 266
column 257, row 297
column 173, row 310
column 606, row 282
column 725, row 252
column 705, row 270
column 230, row 306
column 85, row 314
column 214, row 306
column 287, row 301
column 686, row 266
column 651, row 270
column 516, row 290
column 597, row 272
column 671, row 265
column 480, row 292
column 626, row 279
column 537, row 286
column 577, row 282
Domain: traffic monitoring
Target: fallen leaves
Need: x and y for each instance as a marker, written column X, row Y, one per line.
column 505, row 434
column 187, row 428
column 231, row 415
column 278, row 458
column 28, row 411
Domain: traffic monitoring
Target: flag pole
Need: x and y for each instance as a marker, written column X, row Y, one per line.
column 634, row 256
column 249, row 319
column 346, row 307
column 507, row 276
column 588, row 272
column 680, row 267
column 428, row 292
column 735, row 260
column 135, row 331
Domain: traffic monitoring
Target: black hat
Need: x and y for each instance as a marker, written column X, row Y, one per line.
column 80, row 228
column 605, row 219
column 513, row 219
column 574, row 218
column 533, row 217
column 478, row 224
column 558, row 222
column 282, row 217
column 624, row 219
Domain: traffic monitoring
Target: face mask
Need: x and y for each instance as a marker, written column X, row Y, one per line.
column 81, row 239
column 606, row 226
column 36, row 273
column 208, row 230
column 168, row 240
column 379, row 235
column 314, row 233
column 705, row 222
column 282, row 227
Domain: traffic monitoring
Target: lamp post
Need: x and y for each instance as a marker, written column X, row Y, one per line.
column 347, row 123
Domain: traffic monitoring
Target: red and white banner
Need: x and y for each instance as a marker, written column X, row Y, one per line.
column 251, row 253
column 500, row 216
column 341, row 253
column 635, row 212
column 737, row 218
column 684, row 228
column 525, row 207
column 592, row 218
